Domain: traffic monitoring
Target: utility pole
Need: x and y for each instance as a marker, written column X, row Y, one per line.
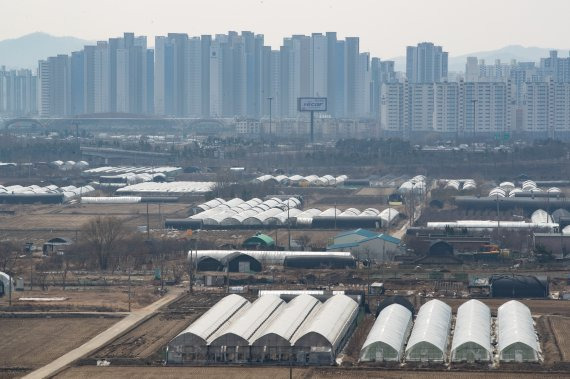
column 147, row 224
column 288, row 226
column 10, row 290
column 335, row 215
column 498, row 220
column 129, row 268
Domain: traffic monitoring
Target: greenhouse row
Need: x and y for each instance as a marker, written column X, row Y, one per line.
column 168, row 188
column 256, row 260
column 34, row 189
column 302, row 331
column 471, row 340
column 276, row 212
column 112, row 170
column 303, row 181
column 415, row 185
column 529, row 187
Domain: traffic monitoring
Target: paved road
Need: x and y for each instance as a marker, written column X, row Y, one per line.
column 132, row 320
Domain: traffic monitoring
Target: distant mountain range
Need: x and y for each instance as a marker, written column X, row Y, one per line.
column 25, row 51
column 505, row 54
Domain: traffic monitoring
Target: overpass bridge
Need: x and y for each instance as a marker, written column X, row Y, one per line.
column 178, row 122
column 107, row 154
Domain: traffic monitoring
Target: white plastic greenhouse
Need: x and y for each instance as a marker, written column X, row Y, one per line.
column 387, row 338
column 428, row 341
column 472, row 336
column 191, row 343
column 516, row 334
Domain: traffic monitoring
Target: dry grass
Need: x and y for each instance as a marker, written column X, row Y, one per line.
column 561, row 329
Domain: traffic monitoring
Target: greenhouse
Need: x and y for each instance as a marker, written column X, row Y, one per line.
column 324, row 334
column 231, row 343
column 387, row 338
column 272, row 342
column 428, row 341
column 191, row 343
column 517, row 341
column 472, row 336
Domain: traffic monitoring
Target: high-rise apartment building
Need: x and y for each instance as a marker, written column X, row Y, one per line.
column 18, row 92
column 54, row 86
column 426, row 63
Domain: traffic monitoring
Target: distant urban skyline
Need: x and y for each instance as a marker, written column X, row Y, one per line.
column 234, row 75
column 384, row 28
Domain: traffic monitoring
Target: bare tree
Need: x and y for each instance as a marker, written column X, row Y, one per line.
column 304, row 240
column 8, row 255
column 102, row 234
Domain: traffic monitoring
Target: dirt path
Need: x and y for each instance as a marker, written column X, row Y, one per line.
column 132, row 320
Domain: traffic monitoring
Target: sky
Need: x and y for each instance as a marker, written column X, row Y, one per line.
column 385, row 27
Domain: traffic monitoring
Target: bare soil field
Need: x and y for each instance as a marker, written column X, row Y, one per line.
column 105, row 299
column 145, row 342
column 30, row 220
column 277, row 373
column 34, row 342
column 561, row 329
column 537, row 307
column 148, row 338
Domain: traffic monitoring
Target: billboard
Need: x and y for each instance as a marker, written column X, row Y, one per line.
column 314, row 104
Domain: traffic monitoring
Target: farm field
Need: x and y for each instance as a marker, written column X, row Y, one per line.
column 148, row 338
column 561, row 329
column 93, row 299
column 29, row 343
column 275, row 373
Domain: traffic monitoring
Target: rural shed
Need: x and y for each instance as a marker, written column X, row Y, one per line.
column 259, row 241
column 315, row 260
column 440, row 248
column 378, row 248
column 241, row 262
column 387, row 338
column 519, row 286
column 209, row 264
column 52, row 245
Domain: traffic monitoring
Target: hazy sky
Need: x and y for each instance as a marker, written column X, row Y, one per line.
column 384, row 27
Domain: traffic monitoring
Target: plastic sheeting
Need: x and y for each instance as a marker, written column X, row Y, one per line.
column 428, row 340
column 517, row 339
column 331, row 321
column 472, row 336
column 387, row 338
